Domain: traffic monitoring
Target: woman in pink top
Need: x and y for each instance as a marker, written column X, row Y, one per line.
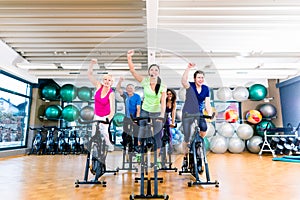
column 104, row 101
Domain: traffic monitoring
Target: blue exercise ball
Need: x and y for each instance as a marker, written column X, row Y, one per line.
column 50, row 92
column 70, row 113
column 53, row 112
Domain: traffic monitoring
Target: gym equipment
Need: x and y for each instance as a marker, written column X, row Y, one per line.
column 38, row 145
column 226, row 129
column 53, row 112
column 50, row 92
column 97, row 149
column 148, row 144
column 118, row 119
column 254, row 144
column 84, row 93
column 51, row 145
column 63, row 146
column 253, row 116
column 257, row 92
column 236, row 145
column 87, row 113
column 70, row 113
column 262, row 126
column 68, row 92
column 231, row 115
column 166, row 148
column 193, row 162
column 294, row 159
column 224, row 94
column 244, row 131
column 218, row 144
column 268, row 110
column 283, row 133
column 240, row 93
column 128, row 145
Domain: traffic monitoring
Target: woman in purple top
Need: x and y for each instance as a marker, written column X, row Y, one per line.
column 197, row 98
column 104, row 106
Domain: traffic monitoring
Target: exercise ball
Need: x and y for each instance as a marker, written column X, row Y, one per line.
column 226, row 129
column 84, row 93
column 53, row 112
column 181, row 94
column 68, row 92
column 268, row 110
column 50, row 92
column 118, row 119
column 218, row 144
column 87, row 113
column 253, row 116
column 210, row 130
column 240, row 93
column 254, row 144
column 231, row 115
column 244, row 131
column 257, row 92
column 118, row 97
column 224, row 93
column 236, row 145
column 70, row 113
column 261, row 126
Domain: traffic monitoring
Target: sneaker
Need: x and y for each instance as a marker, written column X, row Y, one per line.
column 111, row 148
column 159, row 165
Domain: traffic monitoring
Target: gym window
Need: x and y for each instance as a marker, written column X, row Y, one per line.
column 15, row 100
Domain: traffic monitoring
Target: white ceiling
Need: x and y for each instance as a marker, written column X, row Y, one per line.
column 233, row 41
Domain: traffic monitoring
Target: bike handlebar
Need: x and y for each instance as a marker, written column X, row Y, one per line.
column 187, row 115
column 137, row 119
column 106, row 121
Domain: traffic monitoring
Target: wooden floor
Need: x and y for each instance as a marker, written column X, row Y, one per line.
column 241, row 176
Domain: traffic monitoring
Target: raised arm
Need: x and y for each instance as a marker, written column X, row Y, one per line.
column 118, row 87
column 91, row 77
column 185, row 76
column 174, row 113
column 138, row 77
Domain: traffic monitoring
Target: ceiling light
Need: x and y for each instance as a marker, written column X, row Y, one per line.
column 36, row 66
column 121, row 66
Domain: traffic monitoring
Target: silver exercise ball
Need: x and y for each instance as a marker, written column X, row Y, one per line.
column 236, row 145
column 240, row 93
column 224, row 93
column 226, row 129
column 254, row 144
column 218, row 144
column 244, row 131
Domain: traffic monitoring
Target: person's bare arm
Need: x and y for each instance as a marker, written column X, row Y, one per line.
column 91, row 77
column 185, row 76
column 118, row 87
column 208, row 106
column 163, row 104
column 174, row 113
column 112, row 106
column 137, row 77
column 138, row 111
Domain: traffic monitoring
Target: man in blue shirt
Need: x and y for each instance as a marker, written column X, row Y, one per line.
column 132, row 108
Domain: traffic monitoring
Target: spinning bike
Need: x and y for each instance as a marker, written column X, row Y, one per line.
column 193, row 162
column 128, row 145
column 38, row 145
column 98, row 149
column 148, row 144
column 166, row 150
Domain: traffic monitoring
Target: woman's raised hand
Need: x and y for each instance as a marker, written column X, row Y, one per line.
column 130, row 52
column 94, row 61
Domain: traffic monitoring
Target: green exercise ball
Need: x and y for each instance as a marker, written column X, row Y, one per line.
column 118, row 119
column 50, row 92
column 257, row 92
column 261, row 126
column 68, row 92
column 84, row 93
column 70, row 113
column 53, row 112
column 207, row 144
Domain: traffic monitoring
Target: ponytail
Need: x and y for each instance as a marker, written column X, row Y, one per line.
column 157, row 86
